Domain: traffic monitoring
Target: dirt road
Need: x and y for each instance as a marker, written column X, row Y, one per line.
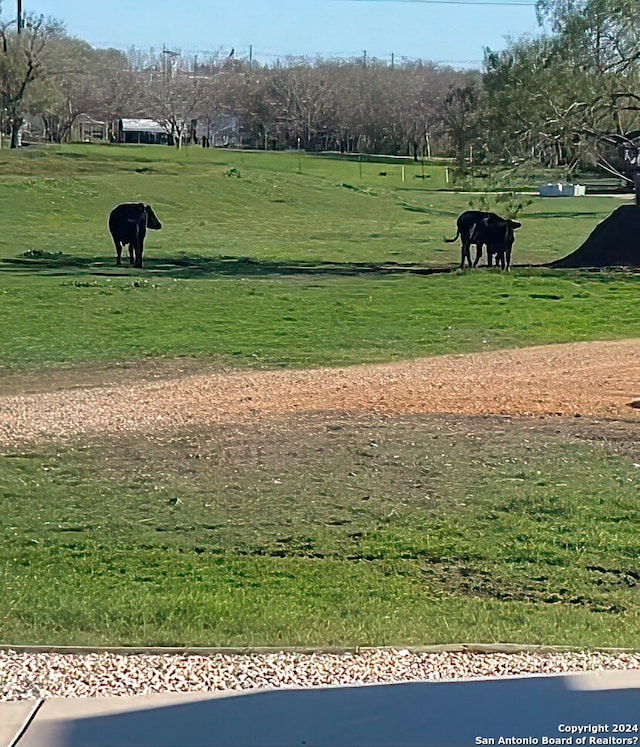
column 597, row 379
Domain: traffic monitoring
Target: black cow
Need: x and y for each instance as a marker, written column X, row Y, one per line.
column 128, row 224
column 497, row 235
column 466, row 224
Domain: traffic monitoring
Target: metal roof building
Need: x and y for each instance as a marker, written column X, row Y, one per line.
column 147, row 131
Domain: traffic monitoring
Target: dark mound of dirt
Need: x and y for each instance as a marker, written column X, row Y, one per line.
column 613, row 243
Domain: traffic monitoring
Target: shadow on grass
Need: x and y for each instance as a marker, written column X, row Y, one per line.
column 561, row 214
column 197, row 267
column 194, row 266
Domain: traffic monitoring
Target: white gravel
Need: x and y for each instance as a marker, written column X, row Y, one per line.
column 25, row 676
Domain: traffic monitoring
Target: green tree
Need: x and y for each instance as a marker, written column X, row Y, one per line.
column 571, row 96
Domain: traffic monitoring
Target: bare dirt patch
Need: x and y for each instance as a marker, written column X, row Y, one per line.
column 597, row 379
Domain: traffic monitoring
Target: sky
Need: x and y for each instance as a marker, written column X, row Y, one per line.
column 445, row 32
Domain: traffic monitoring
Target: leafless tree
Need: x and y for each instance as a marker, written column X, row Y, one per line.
column 166, row 89
column 22, row 65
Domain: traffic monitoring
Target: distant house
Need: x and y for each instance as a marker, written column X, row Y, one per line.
column 221, row 131
column 147, row 131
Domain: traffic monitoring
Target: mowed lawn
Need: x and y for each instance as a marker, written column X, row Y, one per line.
column 270, row 207
column 302, row 531
column 326, row 530
column 276, row 259
column 55, row 321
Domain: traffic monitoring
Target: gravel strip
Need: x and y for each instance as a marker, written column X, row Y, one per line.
column 25, row 676
column 588, row 379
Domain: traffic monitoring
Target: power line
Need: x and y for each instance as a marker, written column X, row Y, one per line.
column 251, row 52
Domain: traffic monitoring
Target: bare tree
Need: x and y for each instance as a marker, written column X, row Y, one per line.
column 460, row 119
column 165, row 88
column 79, row 82
column 325, row 104
column 22, row 64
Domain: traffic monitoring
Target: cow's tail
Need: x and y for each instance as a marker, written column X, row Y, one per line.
column 455, row 238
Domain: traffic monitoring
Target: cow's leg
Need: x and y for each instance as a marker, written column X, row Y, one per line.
column 140, row 244
column 478, row 254
column 139, row 248
column 466, row 254
column 508, row 260
column 118, row 251
column 131, row 252
column 489, row 257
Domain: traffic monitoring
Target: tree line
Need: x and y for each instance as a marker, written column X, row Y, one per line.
column 565, row 97
column 315, row 104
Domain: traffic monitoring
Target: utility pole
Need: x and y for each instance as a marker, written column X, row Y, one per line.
column 173, row 55
column 364, row 58
column 392, row 60
column 250, row 56
column 20, row 24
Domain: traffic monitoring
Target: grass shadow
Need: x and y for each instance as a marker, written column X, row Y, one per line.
column 562, row 214
column 196, row 266
column 193, row 267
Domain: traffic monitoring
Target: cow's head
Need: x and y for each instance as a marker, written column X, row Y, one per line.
column 152, row 218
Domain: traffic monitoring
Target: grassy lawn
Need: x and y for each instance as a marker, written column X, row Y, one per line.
column 281, row 207
column 321, row 530
column 274, row 321
column 317, row 529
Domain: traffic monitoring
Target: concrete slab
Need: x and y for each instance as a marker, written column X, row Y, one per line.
column 13, row 717
column 601, row 708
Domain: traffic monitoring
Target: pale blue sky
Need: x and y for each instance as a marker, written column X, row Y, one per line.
column 440, row 32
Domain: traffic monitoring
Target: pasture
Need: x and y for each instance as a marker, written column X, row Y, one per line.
column 316, row 528
column 276, row 209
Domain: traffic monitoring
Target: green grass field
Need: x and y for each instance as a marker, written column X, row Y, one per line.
column 280, row 208
column 326, row 531
column 309, row 531
column 55, row 321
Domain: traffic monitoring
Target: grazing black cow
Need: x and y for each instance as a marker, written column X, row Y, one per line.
column 128, row 224
column 497, row 235
column 466, row 224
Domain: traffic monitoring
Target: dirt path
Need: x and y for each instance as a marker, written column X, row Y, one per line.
column 597, row 379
